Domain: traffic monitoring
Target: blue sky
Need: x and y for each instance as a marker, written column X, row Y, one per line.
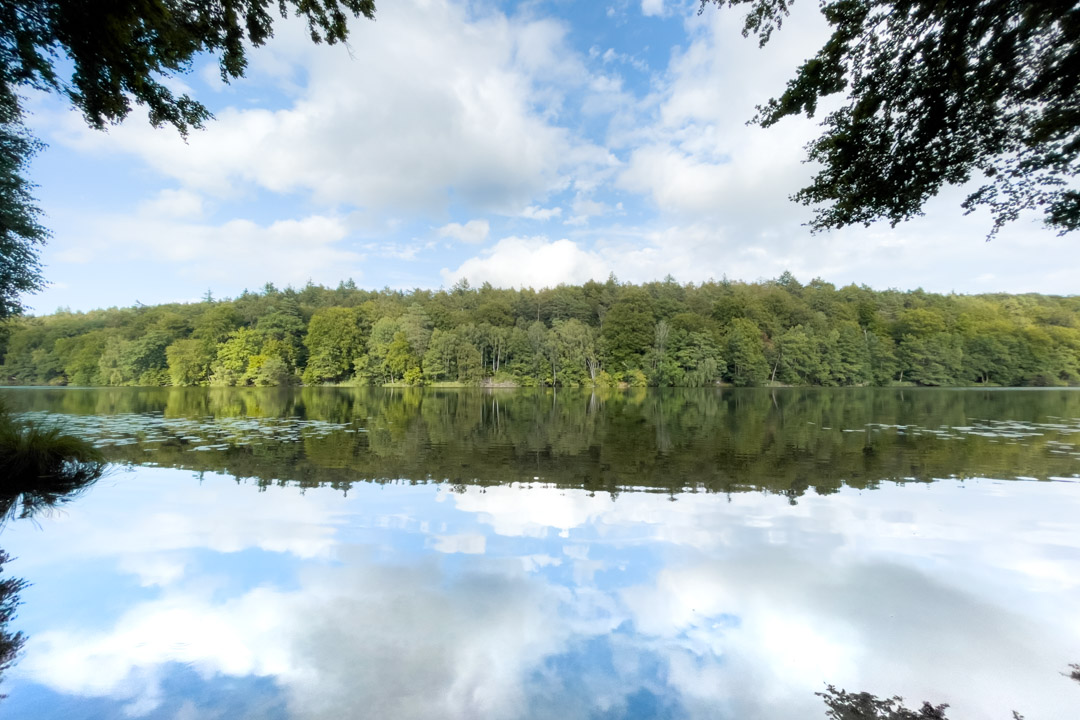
column 519, row 143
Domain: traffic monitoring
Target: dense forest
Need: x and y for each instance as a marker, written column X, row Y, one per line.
column 775, row 332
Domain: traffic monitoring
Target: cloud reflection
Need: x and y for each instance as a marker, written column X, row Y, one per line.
column 411, row 602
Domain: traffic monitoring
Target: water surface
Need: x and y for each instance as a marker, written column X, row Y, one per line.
column 688, row 554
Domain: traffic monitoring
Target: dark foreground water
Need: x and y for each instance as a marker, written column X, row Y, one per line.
column 468, row 554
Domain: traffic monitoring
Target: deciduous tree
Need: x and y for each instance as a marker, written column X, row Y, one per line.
column 937, row 93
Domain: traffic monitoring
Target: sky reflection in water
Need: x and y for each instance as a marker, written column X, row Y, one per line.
column 162, row 595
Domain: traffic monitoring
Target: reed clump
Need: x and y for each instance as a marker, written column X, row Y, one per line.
column 42, row 467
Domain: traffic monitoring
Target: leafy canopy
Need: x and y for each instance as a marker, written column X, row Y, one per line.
column 937, row 93
column 105, row 57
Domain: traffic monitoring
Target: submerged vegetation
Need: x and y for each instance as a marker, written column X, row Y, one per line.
column 597, row 334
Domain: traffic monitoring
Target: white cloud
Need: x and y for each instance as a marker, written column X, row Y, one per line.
column 530, row 512
column 696, row 158
column 391, row 124
column 652, row 8
column 530, row 261
column 586, row 207
column 172, row 520
column 534, row 212
column 744, row 602
column 400, row 641
column 464, row 543
column 946, row 256
column 236, row 252
column 474, row 231
column 174, row 204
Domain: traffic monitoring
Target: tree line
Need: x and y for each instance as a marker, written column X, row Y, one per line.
column 773, row 332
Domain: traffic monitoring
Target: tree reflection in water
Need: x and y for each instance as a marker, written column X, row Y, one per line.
column 10, row 642
column 783, row 442
column 843, row 705
column 40, row 468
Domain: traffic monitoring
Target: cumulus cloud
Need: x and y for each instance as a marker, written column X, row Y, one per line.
column 946, row 256
column 746, row 603
column 695, row 157
column 474, row 231
column 174, row 203
column 652, row 7
column 534, row 212
column 403, row 642
column 172, row 521
column 530, row 262
column 390, row 124
column 237, row 252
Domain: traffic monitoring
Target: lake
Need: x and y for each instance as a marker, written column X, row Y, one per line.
column 407, row 553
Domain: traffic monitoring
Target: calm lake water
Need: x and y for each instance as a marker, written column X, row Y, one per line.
column 341, row 553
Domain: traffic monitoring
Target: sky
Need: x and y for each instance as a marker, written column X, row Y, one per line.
column 517, row 143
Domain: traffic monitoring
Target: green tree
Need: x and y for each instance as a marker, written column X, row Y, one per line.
column 853, row 365
column 189, row 362
column 216, row 323
column 937, row 93
column 575, row 348
column 416, row 325
column 628, row 332
column 883, row 362
column 931, row 360
column 745, row 353
column 21, row 235
column 111, row 366
column 545, row 353
column 234, row 356
column 851, row 336
column 382, row 335
column 270, row 371
column 334, row 341
column 438, row 361
column 81, row 354
column 697, row 357
column 400, row 357
column 283, row 329
column 797, row 360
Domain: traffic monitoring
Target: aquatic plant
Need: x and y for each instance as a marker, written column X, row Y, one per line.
column 41, row 467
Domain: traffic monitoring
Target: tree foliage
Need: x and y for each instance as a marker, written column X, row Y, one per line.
column 937, row 93
column 103, row 57
column 21, row 234
column 778, row 332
